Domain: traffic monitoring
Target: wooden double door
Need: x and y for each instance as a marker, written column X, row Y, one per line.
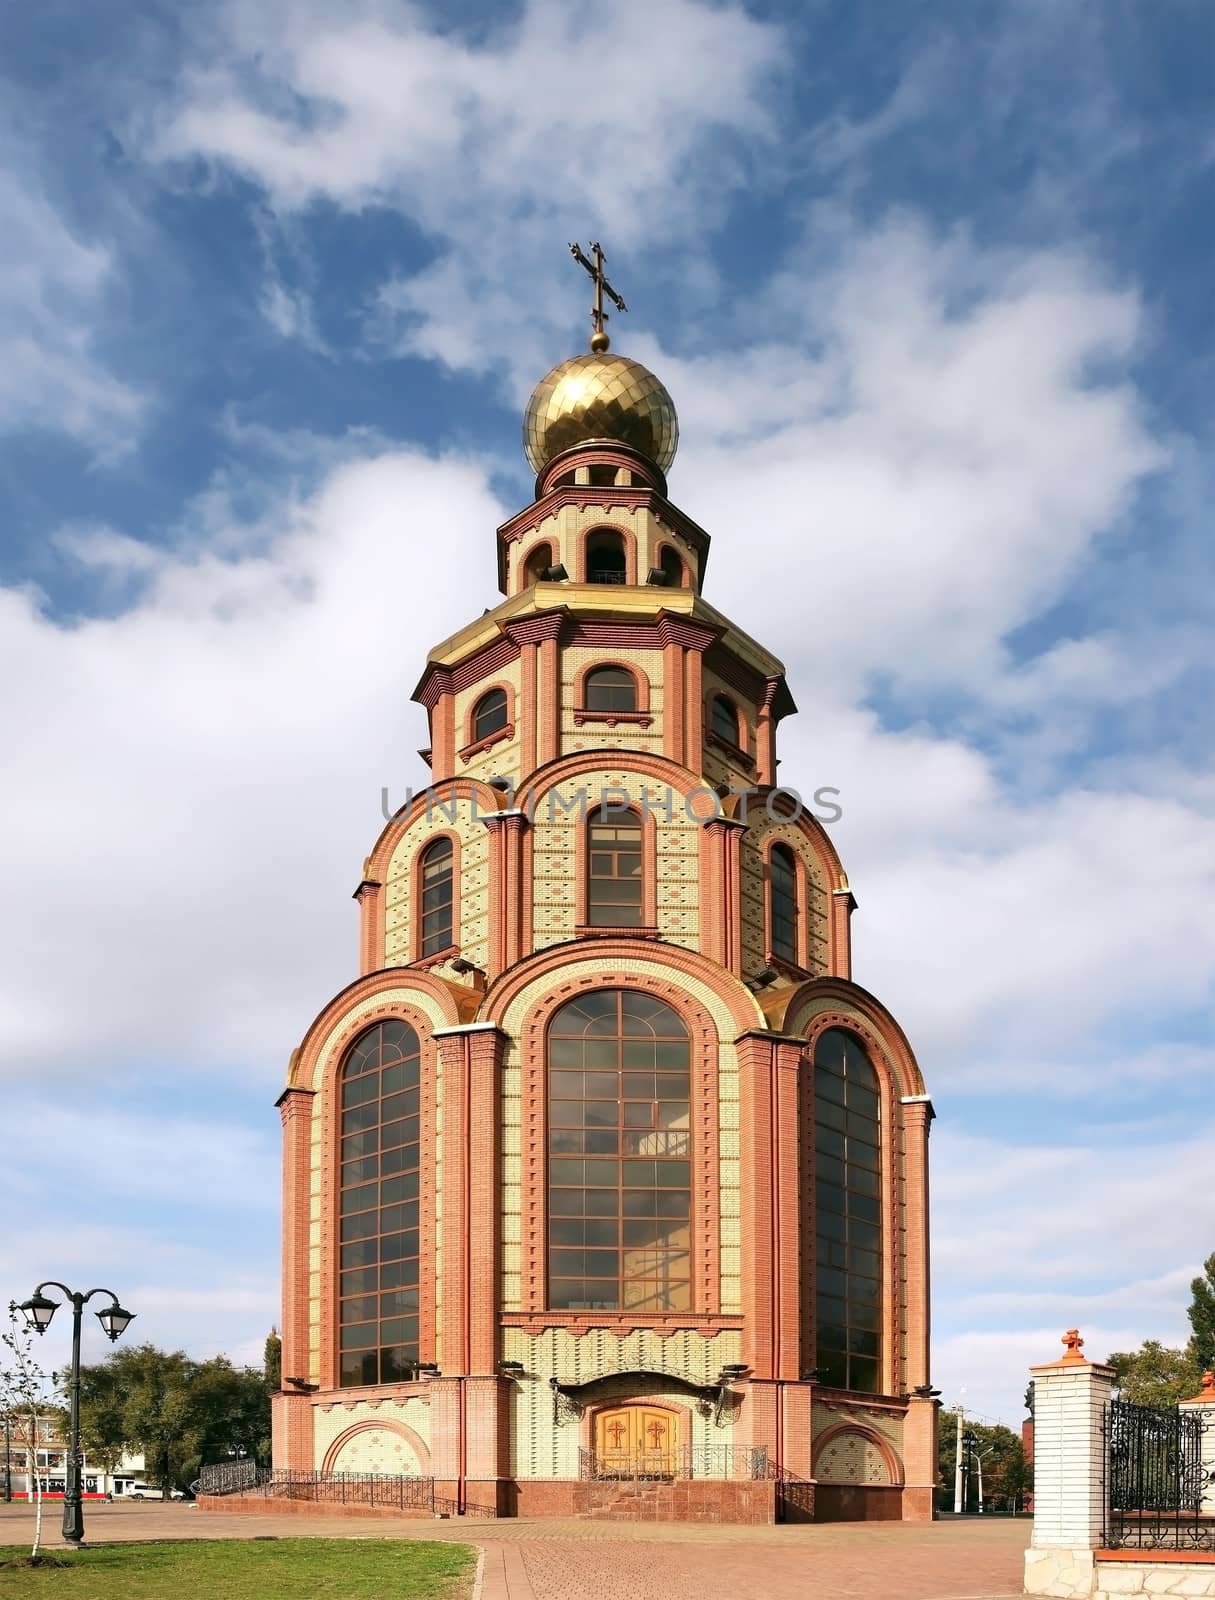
column 636, row 1441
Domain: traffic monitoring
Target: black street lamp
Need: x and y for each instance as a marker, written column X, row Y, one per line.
column 8, row 1457
column 38, row 1311
column 969, row 1440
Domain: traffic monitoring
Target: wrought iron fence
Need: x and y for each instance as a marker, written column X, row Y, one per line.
column 687, row 1461
column 1159, row 1481
column 227, row 1477
column 390, row 1490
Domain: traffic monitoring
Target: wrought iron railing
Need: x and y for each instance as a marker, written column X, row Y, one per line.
column 687, row 1461
column 399, row 1491
column 1159, row 1482
column 227, row 1477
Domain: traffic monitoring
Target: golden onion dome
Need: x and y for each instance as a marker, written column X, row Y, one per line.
column 600, row 397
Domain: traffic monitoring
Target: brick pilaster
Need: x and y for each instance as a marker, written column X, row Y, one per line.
column 507, row 942
column 370, row 898
column 917, row 1118
column 771, row 1204
column 471, row 1059
column 295, row 1108
column 843, row 905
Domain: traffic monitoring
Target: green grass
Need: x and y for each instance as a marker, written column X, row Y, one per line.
column 237, row 1569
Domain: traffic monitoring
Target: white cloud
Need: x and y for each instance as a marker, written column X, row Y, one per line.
column 499, row 148
column 52, row 298
column 201, row 774
column 1031, row 1240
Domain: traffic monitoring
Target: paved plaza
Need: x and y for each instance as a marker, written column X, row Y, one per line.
column 573, row 1560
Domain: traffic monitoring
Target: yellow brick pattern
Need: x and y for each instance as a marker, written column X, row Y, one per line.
column 555, row 847
column 627, row 735
column 540, row 1450
column 754, row 890
column 472, row 899
column 499, row 758
column 329, row 1423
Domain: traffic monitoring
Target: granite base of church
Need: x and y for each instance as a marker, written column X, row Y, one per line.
column 1119, row 1574
column 742, row 1502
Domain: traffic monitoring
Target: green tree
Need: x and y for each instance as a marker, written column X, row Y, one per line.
column 1155, row 1374
column 1202, row 1317
column 1006, row 1475
column 272, row 1361
column 177, row 1412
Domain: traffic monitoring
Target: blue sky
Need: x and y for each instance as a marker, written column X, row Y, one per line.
column 930, row 287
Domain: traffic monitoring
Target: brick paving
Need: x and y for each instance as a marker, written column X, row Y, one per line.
column 564, row 1559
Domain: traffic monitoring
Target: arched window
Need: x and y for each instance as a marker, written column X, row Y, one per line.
column 723, row 719
column 539, row 560
column 438, row 897
column 605, row 561
column 489, row 714
column 672, row 567
column 613, row 870
column 847, row 1141
column 610, row 689
column 619, row 1170
column 378, row 1189
column 782, row 902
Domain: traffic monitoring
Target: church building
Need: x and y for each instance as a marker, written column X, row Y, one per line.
column 604, row 1184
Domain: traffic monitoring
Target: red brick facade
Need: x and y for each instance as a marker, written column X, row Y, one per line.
column 514, row 1439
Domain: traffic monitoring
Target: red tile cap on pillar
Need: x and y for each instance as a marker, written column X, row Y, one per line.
column 1205, row 1395
column 1073, row 1341
column 1071, row 1356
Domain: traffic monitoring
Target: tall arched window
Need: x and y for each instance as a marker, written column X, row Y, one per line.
column 847, row 1140
column 380, row 1161
column 489, row 714
column 613, row 870
column 605, row 559
column 610, row 689
column 438, row 897
column 619, row 1170
column 782, row 902
column 723, row 719
column 672, row 567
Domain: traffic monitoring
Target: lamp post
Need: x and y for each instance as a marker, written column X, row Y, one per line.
column 8, row 1457
column 38, row 1311
column 968, row 1441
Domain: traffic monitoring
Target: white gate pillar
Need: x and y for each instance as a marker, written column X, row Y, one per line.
column 1204, row 1401
column 1070, row 1397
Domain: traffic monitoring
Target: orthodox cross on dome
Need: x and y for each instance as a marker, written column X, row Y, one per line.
column 599, row 339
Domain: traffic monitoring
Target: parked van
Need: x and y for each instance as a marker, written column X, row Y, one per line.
column 144, row 1491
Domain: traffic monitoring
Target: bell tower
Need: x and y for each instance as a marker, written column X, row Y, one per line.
column 603, row 1166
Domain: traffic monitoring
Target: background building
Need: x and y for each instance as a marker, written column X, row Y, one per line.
column 603, row 1170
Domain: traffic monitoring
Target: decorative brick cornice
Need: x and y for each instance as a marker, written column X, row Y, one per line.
column 674, row 629
column 620, row 1326
column 295, row 1102
column 535, row 629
